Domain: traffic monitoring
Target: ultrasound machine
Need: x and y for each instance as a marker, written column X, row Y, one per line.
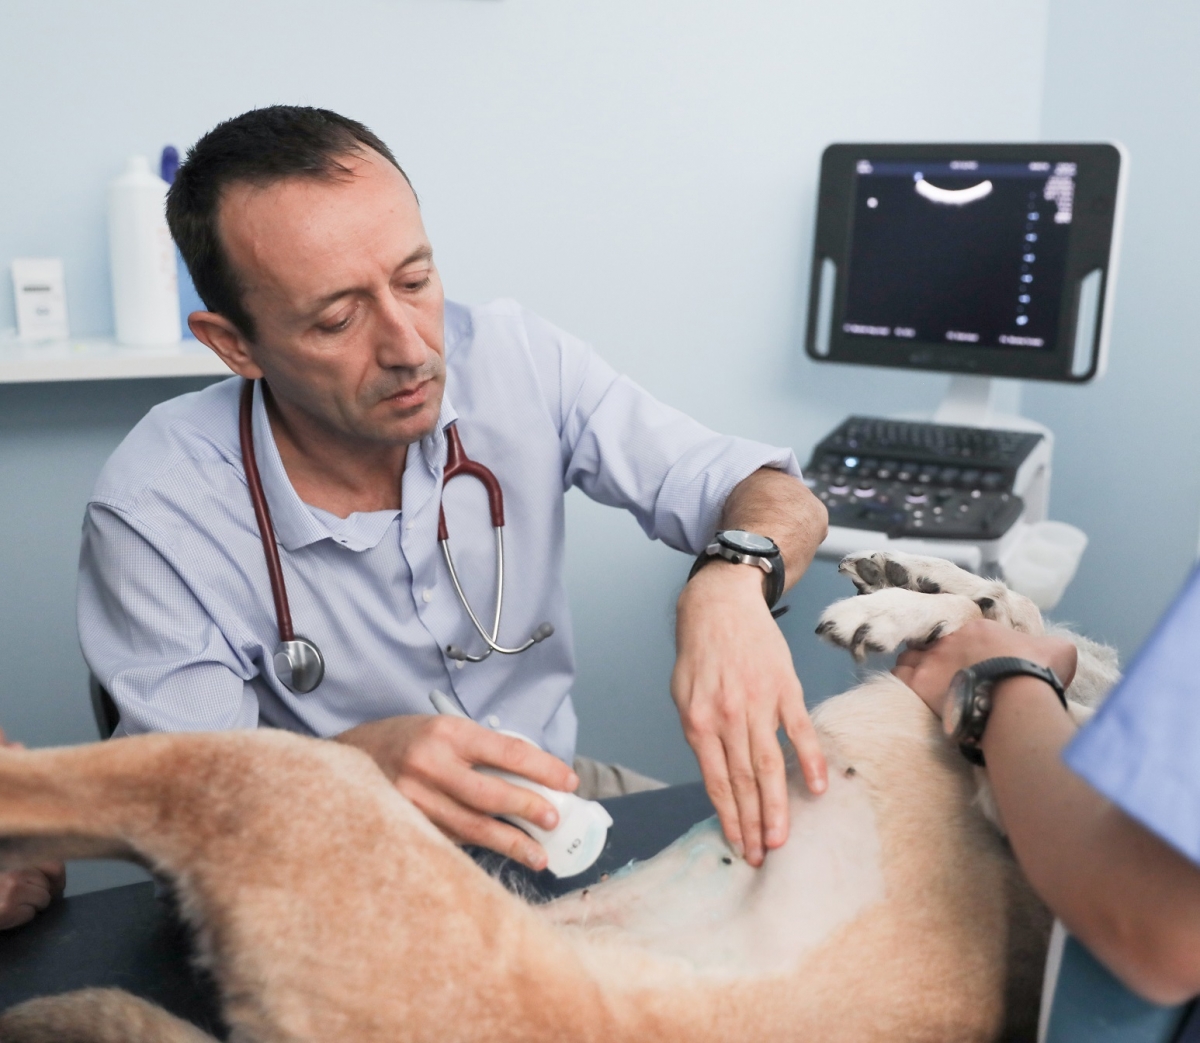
column 982, row 261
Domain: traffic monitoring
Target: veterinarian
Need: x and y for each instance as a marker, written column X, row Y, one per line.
column 1105, row 822
column 305, row 240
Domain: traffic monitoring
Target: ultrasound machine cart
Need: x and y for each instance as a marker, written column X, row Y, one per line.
column 982, row 261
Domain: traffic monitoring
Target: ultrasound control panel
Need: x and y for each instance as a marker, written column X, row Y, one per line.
column 920, row 479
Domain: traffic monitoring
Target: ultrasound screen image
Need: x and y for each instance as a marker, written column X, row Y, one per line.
column 961, row 252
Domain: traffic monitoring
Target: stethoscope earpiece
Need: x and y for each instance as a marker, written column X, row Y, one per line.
column 299, row 664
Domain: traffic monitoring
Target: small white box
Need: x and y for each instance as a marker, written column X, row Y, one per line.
column 41, row 298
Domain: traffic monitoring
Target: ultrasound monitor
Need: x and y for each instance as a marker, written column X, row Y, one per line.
column 993, row 260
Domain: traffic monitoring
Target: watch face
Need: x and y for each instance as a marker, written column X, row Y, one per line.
column 747, row 542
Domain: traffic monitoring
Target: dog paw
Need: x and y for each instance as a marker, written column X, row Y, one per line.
column 884, row 570
column 875, row 571
column 884, row 620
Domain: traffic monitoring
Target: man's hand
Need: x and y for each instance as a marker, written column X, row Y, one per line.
column 929, row 671
column 734, row 684
column 25, row 892
column 431, row 760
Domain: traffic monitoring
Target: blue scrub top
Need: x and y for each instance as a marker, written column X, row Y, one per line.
column 1142, row 749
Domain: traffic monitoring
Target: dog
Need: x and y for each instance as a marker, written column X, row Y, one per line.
column 327, row 908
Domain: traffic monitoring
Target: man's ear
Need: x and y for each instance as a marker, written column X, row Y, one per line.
column 224, row 338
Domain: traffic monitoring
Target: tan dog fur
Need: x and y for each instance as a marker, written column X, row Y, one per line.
column 328, row 908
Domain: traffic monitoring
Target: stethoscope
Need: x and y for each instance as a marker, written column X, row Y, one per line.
column 298, row 661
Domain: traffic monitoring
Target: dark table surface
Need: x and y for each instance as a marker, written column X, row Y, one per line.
column 127, row 938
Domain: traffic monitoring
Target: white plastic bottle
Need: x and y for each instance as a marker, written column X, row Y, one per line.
column 144, row 281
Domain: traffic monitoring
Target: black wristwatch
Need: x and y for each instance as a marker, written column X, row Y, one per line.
column 747, row 548
column 969, row 702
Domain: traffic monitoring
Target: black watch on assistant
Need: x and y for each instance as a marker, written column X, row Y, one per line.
column 969, row 701
column 747, row 548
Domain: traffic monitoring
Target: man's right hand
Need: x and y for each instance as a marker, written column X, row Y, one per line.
column 431, row 760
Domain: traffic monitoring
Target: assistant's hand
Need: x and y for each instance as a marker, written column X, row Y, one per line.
column 734, row 685
column 25, row 892
column 929, row 671
column 431, row 760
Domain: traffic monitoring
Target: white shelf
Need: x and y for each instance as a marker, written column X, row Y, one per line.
column 95, row 359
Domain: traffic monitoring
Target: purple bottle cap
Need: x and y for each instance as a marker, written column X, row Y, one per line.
column 169, row 164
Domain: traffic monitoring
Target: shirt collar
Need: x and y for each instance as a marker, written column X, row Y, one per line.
column 298, row 525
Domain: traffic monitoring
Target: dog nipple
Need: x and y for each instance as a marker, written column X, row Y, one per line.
column 727, row 860
column 850, row 773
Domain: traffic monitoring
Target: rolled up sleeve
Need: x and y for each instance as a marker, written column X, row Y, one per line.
column 623, row 447
column 149, row 639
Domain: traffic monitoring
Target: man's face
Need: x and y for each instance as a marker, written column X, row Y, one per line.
column 339, row 277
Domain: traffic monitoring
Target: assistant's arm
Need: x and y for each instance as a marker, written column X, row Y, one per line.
column 734, row 681
column 1133, row 900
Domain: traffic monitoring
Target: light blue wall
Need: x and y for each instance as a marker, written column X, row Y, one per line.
column 641, row 173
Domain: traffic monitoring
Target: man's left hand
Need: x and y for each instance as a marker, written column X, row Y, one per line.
column 734, row 685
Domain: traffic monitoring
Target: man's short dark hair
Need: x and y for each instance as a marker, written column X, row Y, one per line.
column 258, row 147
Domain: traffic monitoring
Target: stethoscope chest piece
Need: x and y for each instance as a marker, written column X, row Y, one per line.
column 299, row 664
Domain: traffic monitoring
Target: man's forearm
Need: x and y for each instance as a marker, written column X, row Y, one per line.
column 773, row 503
column 1125, row 894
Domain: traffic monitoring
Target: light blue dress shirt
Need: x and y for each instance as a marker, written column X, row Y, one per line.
column 1142, row 749
column 175, row 611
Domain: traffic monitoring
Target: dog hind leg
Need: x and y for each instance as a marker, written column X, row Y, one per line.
column 95, row 1016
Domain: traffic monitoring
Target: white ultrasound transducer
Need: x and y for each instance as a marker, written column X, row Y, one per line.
column 576, row 842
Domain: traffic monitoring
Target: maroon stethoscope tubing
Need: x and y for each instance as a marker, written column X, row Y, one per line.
column 262, row 514
column 457, row 462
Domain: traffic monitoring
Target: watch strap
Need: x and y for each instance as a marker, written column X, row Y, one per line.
column 979, row 682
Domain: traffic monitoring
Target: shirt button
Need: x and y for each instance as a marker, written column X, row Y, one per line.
column 427, row 595
column 493, row 721
column 459, row 664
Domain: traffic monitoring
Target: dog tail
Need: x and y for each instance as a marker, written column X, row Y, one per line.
column 95, row 1016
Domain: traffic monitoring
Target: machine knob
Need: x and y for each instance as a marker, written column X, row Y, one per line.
column 916, row 495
